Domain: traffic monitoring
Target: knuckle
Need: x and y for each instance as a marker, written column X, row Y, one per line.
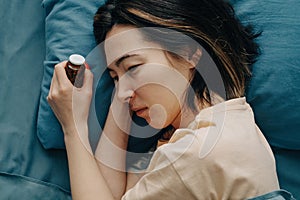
column 56, row 95
column 59, row 65
column 63, row 90
column 49, row 98
column 56, row 67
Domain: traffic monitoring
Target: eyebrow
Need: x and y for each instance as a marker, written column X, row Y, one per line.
column 120, row 60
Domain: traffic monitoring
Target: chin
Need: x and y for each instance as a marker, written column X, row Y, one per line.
column 157, row 124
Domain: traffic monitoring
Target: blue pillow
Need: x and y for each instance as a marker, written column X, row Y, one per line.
column 69, row 29
column 274, row 91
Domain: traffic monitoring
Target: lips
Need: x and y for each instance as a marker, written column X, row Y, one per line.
column 138, row 108
column 141, row 112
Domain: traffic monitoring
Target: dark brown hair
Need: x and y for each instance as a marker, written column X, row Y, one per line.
column 212, row 23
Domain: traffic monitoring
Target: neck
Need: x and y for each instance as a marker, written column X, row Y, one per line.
column 184, row 118
column 187, row 115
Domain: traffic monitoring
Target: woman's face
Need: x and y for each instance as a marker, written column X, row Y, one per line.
column 151, row 81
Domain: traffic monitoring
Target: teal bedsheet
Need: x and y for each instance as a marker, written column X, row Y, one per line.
column 27, row 170
column 274, row 91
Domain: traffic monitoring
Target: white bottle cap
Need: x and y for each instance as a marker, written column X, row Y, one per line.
column 76, row 59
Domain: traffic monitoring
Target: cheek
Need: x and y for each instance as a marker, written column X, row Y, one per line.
column 163, row 105
column 161, row 75
column 158, row 94
column 158, row 116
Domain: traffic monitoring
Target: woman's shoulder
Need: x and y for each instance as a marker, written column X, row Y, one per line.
column 223, row 130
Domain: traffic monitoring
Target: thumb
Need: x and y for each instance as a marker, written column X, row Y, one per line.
column 88, row 79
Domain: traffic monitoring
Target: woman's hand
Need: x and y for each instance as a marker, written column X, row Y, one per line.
column 70, row 104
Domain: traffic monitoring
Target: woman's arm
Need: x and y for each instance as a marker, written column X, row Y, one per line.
column 111, row 156
column 71, row 106
column 112, row 148
column 87, row 182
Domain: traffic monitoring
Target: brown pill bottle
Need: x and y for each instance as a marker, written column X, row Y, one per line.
column 75, row 69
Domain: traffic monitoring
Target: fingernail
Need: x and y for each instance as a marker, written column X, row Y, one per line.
column 87, row 66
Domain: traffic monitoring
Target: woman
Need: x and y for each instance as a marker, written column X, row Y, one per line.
column 180, row 64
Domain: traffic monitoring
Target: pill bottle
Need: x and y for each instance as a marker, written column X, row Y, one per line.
column 75, row 69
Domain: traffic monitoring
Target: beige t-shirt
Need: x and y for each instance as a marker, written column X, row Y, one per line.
column 221, row 155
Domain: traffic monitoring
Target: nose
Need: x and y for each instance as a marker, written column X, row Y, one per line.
column 124, row 88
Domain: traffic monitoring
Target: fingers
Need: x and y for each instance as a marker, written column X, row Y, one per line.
column 87, row 87
column 87, row 65
column 62, row 79
column 60, row 74
column 58, row 81
column 60, row 84
column 88, row 79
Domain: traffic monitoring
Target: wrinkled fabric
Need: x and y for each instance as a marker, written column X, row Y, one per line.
column 22, row 52
column 230, row 159
column 68, row 30
column 275, row 195
column 274, row 90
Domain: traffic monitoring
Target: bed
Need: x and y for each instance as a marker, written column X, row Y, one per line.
column 37, row 34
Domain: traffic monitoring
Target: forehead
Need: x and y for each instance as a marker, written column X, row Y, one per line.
column 122, row 40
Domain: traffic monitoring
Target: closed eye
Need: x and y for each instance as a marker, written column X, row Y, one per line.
column 133, row 67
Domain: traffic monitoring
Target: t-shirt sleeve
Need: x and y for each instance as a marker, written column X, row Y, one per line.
column 161, row 182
